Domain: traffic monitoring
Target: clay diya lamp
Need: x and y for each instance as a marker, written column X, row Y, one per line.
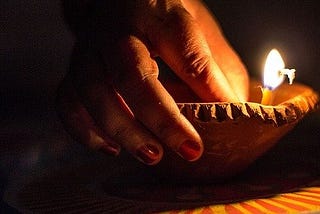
column 235, row 134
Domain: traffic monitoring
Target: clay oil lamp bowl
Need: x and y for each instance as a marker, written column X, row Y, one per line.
column 235, row 134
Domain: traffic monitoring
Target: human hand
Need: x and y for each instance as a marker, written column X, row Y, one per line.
column 112, row 97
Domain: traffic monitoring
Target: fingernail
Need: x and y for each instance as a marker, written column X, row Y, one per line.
column 112, row 150
column 149, row 154
column 190, row 150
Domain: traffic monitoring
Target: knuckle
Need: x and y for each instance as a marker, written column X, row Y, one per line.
column 132, row 85
column 195, row 64
column 136, row 74
column 134, row 65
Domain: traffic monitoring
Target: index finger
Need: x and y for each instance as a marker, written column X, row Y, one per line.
column 224, row 55
column 181, row 44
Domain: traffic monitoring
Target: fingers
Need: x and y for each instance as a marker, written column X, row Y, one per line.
column 223, row 54
column 150, row 103
column 79, row 123
column 109, row 113
column 135, row 110
column 182, row 45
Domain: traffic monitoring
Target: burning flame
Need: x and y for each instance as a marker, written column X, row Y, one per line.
column 274, row 64
column 274, row 71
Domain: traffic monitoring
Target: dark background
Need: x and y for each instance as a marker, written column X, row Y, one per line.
column 255, row 27
column 35, row 46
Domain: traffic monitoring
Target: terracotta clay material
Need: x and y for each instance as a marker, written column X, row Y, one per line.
column 236, row 134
